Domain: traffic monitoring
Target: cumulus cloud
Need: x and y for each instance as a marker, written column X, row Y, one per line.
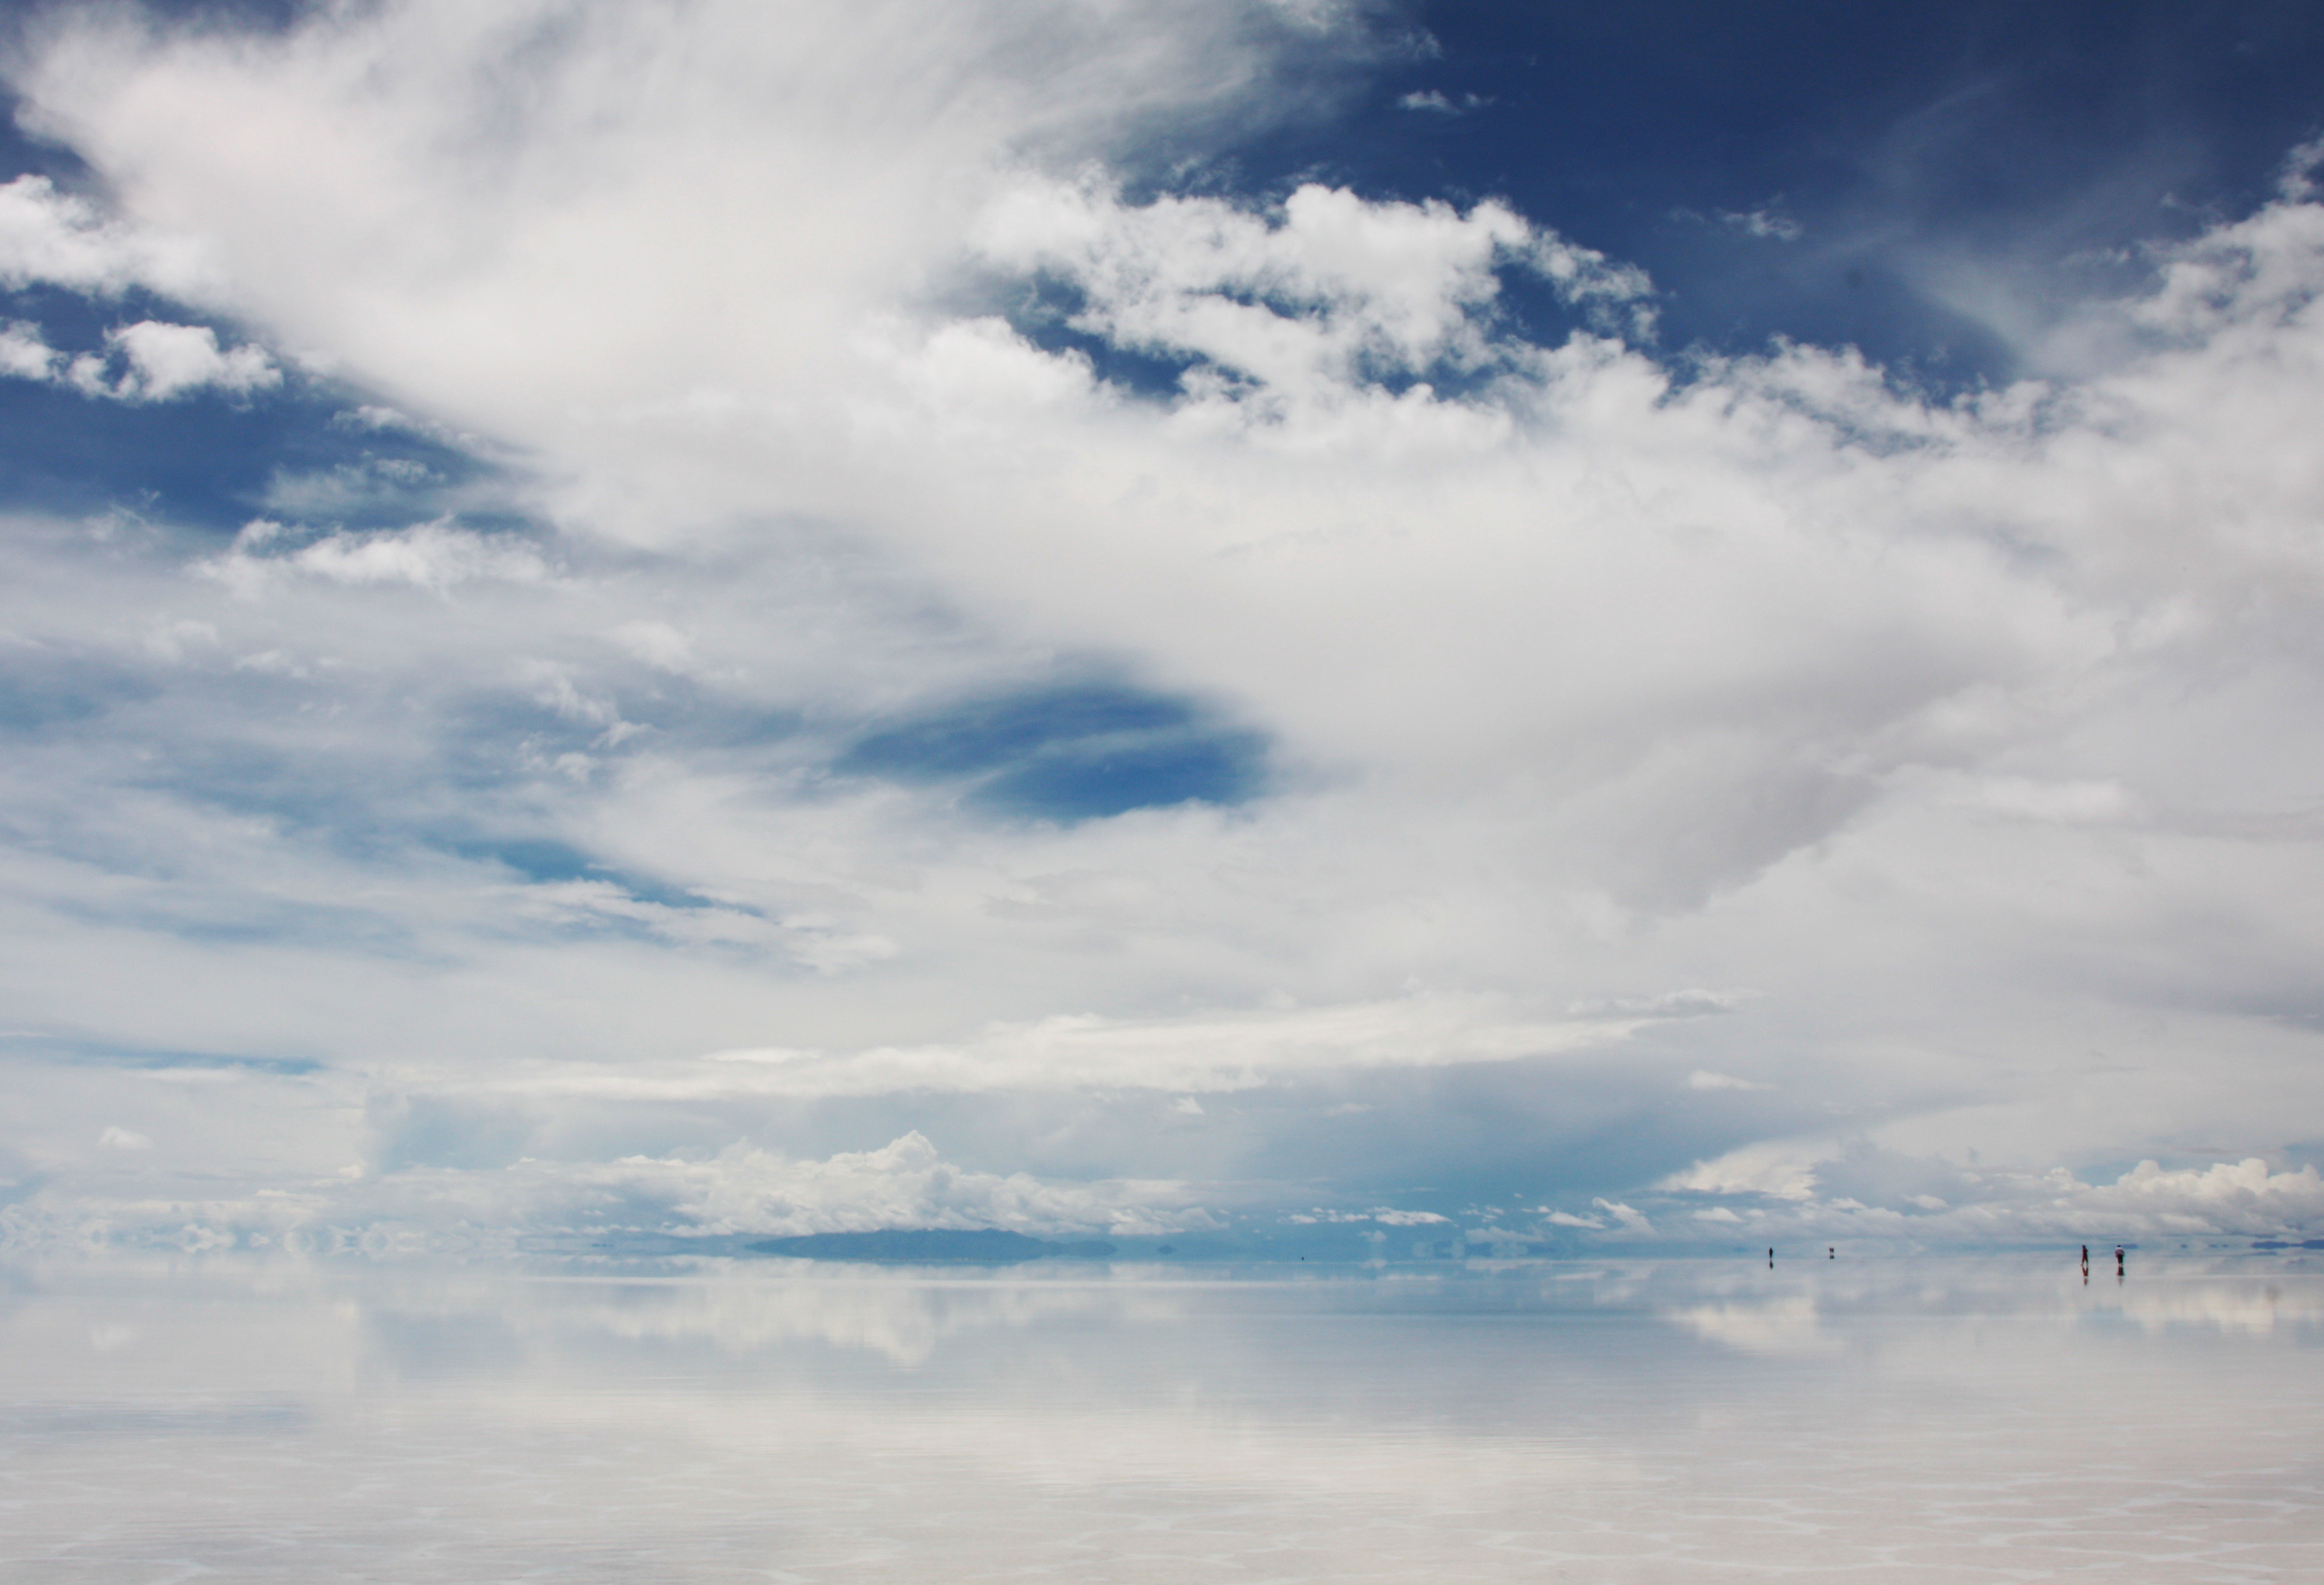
column 2227, row 1197
column 166, row 361
column 1321, row 299
column 905, row 1184
column 150, row 361
column 1782, row 1191
column 53, row 238
column 739, row 1192
column 25, row 354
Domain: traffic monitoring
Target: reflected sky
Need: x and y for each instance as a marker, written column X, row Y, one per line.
column 1960, row 1420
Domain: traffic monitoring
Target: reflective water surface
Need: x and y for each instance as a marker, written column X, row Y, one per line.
column 1703, row 1420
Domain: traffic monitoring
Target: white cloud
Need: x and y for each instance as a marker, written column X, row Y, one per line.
column 1203, row 1054
column 1975, row 736
column 1309, row 304
column 149, row 361
column 53, row 238
column 25, row 354
column 740, row 1191
column 2226, row 1200
column 1437, row 102
column 2298, row 180
column 427, row 556
column 116, row 1137
column 1767, row 224
column 2226, row 1197
column 1782, row 1170
column 166, row 361
column 906, row 1184
column 658, row 644
column 1631, row 1219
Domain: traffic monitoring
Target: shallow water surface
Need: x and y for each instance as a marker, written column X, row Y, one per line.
column 1883, row 1420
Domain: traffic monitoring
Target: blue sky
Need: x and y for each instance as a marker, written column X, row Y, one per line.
column 1237, row 618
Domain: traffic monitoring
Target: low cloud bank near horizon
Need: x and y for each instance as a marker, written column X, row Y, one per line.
column 1187, row 698
column 665, row 1205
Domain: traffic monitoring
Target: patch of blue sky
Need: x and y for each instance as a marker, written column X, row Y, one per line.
column 66, row 1047
column 44, row 693
column 1069, row 753
column 1045, row 315
column 303, row 800
column 544, row 861
column 209, row 461
column 1925, row 180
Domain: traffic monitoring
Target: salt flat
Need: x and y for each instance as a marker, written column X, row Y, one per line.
column 1882, row 1419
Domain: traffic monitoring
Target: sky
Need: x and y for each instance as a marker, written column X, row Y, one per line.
column 1352, row 627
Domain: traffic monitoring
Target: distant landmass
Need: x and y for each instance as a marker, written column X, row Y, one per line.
column 988, row 1246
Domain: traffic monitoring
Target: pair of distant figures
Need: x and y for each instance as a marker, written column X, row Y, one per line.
column 2118, row 1262
column 1830, row 1251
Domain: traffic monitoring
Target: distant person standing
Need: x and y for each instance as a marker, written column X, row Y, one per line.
column 2118, row 1260
column 1771, row 1260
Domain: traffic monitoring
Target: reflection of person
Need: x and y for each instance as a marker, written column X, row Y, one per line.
column 1771, row 1260
column 2117, row 1259
column 1831, row 1251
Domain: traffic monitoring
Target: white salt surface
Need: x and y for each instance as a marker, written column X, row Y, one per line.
column 1710, row 1420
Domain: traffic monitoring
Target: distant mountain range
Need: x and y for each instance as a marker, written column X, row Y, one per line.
column 988, row 1246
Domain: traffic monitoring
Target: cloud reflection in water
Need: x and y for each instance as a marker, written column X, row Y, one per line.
column 1638, row 1422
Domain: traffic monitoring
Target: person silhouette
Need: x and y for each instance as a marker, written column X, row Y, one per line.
column 1771, row 1260
column 2117, row 1263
